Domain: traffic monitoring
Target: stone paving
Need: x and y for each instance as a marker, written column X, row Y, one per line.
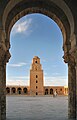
column 37, row 108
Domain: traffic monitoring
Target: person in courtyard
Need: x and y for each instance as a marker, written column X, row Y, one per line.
column 54, row 94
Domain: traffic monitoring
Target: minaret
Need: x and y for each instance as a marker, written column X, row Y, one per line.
column 36, row 77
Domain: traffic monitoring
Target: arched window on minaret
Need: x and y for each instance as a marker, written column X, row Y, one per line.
column 36, row 61
column 36, row 76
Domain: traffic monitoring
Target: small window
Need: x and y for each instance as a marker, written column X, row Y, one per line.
column 35, row 61
column 36, row 93
column 36, row 81
column 60, row 89
column 36, row 76
column 36, row 87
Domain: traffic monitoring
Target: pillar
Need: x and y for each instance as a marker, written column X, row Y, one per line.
column 71, row 90
column 4, row 57
column 10, row 91
column 16, row 90
column 73, row 51
column 3, row 91
column 2, row 78
column 76, row 80
column 70, row 59
column 76, row 90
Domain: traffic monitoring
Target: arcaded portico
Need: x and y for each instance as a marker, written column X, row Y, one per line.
column 63, row 12
column 47, row 90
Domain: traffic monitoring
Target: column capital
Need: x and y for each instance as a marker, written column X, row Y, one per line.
column 6, row 57
column 4, row 50
column 69, row 58
column 4, row 54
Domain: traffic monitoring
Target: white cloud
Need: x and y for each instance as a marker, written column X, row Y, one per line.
column 17, row 82
column 56, row 74
column 17, row 65
column 22, row 27
column 48, row 81
column 18, row 77
column 56, row 81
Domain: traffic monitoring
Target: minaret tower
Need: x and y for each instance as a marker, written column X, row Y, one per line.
column 36, row 77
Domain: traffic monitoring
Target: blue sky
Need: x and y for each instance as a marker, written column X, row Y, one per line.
column 36, row 35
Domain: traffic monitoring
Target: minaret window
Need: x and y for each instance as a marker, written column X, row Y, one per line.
column 36, row 87
column 36, row 81
column 35, row 61
column 36, row 76
column 36, row 93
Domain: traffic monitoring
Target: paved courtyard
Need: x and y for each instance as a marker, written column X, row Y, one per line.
column 37, row 108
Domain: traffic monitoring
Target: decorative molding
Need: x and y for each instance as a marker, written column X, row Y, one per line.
column 4, row 54
column 69, row 58
column 2, row 36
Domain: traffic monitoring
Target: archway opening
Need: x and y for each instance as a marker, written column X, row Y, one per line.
column 46, row 91
column 19, row 90
column 36, row 43
column 51, row 91
column 7, row 90
column 25, row 90
column 13, row 89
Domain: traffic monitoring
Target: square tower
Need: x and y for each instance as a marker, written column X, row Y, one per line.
column 36, row 77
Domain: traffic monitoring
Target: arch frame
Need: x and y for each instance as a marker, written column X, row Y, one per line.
column 61, row 13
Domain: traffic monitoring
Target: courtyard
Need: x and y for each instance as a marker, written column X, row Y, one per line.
column 36, row 108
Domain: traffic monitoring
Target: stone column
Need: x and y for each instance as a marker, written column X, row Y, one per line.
column 16, row 90
column 2, row 77
column 71, row 90
column 10, row 91
column 73, row 52
column 70, row 59
column 3, row 60
column 76, row 80
column 76, row 90
column 4, row 57
column 3, row 91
